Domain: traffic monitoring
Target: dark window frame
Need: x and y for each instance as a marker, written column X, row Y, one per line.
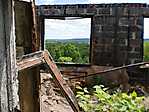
column 142, row 35
column 42, row 29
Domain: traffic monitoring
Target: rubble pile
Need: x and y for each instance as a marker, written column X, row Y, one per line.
column 50, row 97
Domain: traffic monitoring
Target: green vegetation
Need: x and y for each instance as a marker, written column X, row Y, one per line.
column 101, row 101
column 65, row 59
column 77, row 50
column 68, row 51
column 146, row 51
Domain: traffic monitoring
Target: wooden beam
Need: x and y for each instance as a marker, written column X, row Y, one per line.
column 8, row 74
column 38, row 58
column 66, row 91
column 30, row 60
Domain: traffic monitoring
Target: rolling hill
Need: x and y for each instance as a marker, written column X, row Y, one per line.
column 76, row 40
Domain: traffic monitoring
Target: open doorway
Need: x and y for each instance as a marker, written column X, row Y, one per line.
column 68, row 39
column 146, row 39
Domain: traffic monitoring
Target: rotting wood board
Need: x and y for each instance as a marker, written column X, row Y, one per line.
column 41, row 57
column 30, row 60
column 67, row 92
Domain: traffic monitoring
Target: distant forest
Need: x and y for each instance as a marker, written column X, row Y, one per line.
column 69, row 50
column 77, row 50
column 146, row 50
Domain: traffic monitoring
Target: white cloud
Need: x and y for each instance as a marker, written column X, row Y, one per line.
column 96, row 1
column 66, row 29
column 39, row 2
column 146, row 28
column 52, row 2
column 117, row 1
column 44, row 2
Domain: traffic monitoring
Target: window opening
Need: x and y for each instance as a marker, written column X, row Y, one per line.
column 146, row 39
column 68, row 39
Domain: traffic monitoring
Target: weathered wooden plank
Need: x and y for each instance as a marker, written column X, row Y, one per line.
column 26, row 43
column 30, row 60
column 37, row 58
column 66, row 91
column 8, row 76
column 3, row 74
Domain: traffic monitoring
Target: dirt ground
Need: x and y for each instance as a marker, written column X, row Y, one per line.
column 50, row 98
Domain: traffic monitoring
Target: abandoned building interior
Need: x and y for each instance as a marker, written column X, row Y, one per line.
column 116, row 43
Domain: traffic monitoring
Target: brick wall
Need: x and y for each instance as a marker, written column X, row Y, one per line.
column 117, row 29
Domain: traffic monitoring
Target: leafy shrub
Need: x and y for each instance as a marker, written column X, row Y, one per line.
column 65, row 59
column 101, row 101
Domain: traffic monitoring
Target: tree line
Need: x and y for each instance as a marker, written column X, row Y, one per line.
column 68, row 51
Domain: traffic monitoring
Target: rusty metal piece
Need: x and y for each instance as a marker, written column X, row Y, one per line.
column 66, row 91
column 110, row 70
column 35, row 38
column 30, row 60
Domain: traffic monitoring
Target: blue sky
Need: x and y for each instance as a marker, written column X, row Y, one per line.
column 39, row 2
column 60, row 29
